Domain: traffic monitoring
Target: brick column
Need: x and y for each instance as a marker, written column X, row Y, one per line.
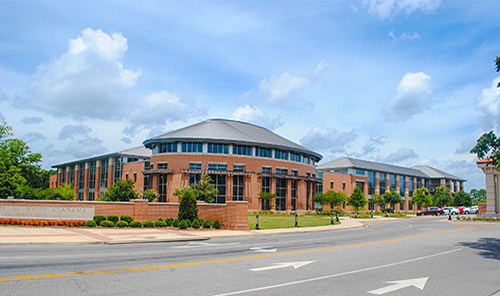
column 111, row 172
column 377, row 183
column 288, row 204
column 86, row 182
column 77, row 177
column 407, row 193
column 229, row 188
column 68, row 168
column 59, row 177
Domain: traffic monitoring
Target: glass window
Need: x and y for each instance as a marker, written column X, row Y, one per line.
column 266, row 187
column 382, row 183
column 392, row 182
column 118, row 169
column 195, row 166
column 218, row 148
column 163, row 166
column 294, row 157
column 281, row 171
column 360, row 172
column 238, row 168
column 192, row 147
column 238, row 188
column 295, row 173
column 91, row 180
column 162, row 187
column 419, row 183
column 168, row 148
column 280, row 194
column 104, row 174
column 306, row 159
column 266, row 170
column 63, row 176
column 81, row 181
column 217, row 167
column 72, row 175
column 294, row 194
column 371, row 182
column 219, row 181
column 361, row 185
column 263, row 152
column 242, row 150
column 410, row 186
column 402, row 186
column 278, row 154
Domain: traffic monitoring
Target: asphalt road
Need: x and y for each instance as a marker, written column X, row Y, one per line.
column 420, row 256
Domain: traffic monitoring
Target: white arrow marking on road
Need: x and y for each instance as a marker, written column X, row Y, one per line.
column 419, row 283
column 263, row 249
column 295, row 265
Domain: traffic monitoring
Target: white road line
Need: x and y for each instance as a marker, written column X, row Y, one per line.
column 338, row 274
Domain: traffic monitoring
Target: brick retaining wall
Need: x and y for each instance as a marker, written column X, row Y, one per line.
column 232, row 215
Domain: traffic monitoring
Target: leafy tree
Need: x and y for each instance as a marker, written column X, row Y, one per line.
column 10, row 182
column 478, row 195
column 266, row 198
column 357, row 199
column 188, row 207
column 488, row 146
column 392, row 197
column 331, row 197
column 442, row 196
column 150, row 194
column 205, row 190
column 497, row 67
column 123, row 190
column 377, row 200
column 421, row 197
column 462, row 199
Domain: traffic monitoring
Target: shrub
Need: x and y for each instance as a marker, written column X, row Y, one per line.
column 112, row 218
column 188, row 222
column 160, row 223
column 107, row 223
column 217, row 224
column 196, row 224
column 207, row 224
column 126, row 218
column 175, row 223
column 200, row 221
column 188, row 207
column 98, row 219
column 169, row 221
column 148, row 223
column 136, row 224
column 160, row 219
column 388, row 210
column 122, row 223
column 183, row 224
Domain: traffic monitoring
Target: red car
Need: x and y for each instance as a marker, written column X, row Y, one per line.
column 431, row 211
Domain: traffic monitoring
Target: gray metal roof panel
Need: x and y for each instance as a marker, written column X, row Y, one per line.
column 139, row 151
column 237, row 132
column 435, row 173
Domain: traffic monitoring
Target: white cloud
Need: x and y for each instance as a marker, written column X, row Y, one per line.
column 85, row 147
column 374, row 141
column 86, row 82
column 404, row 36
column 256, row 116
column 126, row 140
column 32, row 120
column 73, row 131
column 489, row 104
column 327, row 140
column 278, row 88
column 469, row 143
column 161, row 107
column 388, row 8
column 33, row 137
column 322, row 65
column 401, row 155
column 411, row 97
column 2, row 118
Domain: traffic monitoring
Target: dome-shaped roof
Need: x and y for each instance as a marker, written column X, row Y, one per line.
column 230, row 132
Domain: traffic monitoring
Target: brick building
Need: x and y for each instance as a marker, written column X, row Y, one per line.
column 242, row 160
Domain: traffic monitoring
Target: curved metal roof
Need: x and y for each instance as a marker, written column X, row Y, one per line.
column 231, row 132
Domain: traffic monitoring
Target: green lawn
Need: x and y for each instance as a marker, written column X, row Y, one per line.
column 285, row 221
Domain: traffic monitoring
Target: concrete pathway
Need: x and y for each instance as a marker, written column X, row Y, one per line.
column 29, row 235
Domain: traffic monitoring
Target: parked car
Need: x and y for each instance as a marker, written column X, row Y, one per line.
column 474, row 210
column 431, row 211
column 452, row 210
column 466, row 210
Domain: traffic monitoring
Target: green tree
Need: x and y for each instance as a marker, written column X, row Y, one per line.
column 357, row 199
column 488, row 146
column 421, row 197
column 377, row 200
column 478, row 195
column 205, row 189
column 330, row 197
column 442, row 196
column 266, row 199
column 150, row 194
column 188, row 207
column 497, row 67
column 392, row 197
column 123, row 190
column 462, row 199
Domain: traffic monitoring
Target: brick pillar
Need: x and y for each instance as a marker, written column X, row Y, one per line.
column 111, row 172
column 229, row 188
column 141, row 212
column 377, row 183
column 461, row 185
column 288, row 205
column 97, row 179
column 86, row 182
column 236, row 215
column 68, row 168
column 77, row 177
column 59, row 177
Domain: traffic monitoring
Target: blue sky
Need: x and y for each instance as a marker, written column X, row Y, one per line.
column 396, row 81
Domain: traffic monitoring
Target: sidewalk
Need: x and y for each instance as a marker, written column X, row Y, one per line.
column 24, row 236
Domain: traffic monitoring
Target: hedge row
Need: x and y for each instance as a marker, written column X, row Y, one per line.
column 478, row 219
column 38, row 222
column 127, row 221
